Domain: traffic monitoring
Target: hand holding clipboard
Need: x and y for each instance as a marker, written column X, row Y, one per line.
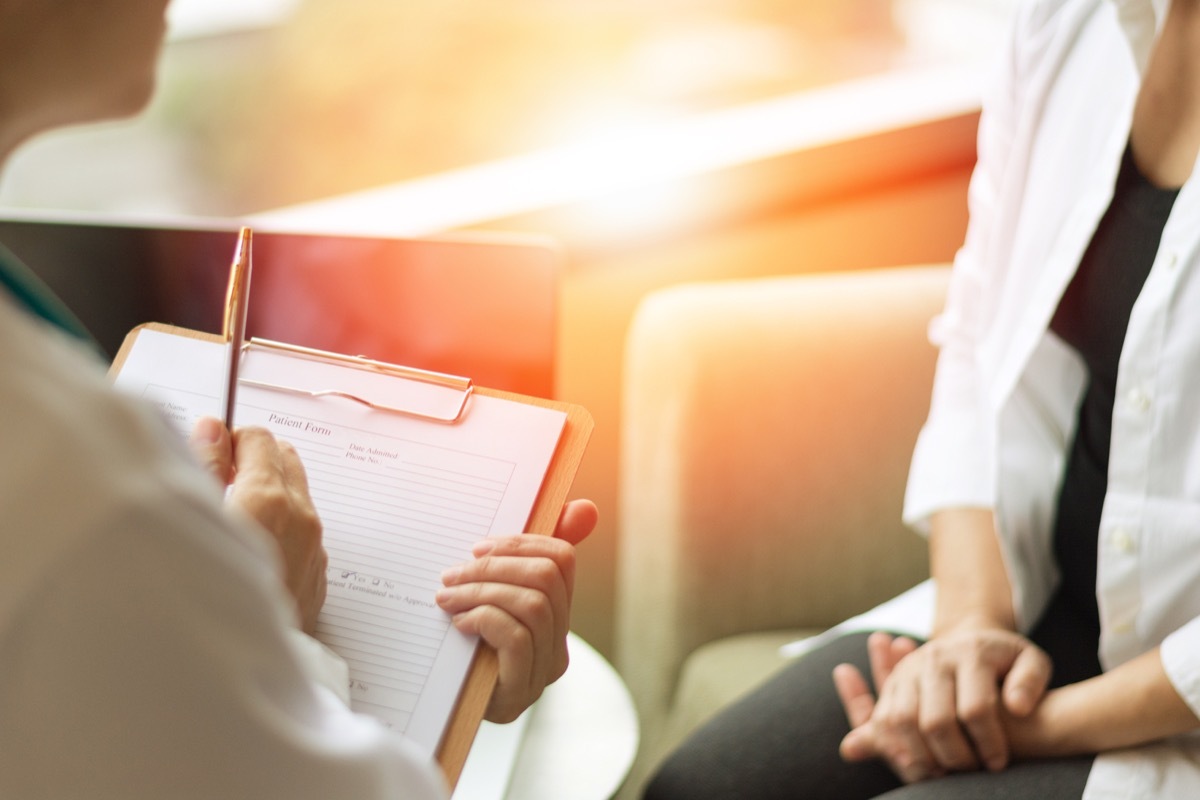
column 387, row 448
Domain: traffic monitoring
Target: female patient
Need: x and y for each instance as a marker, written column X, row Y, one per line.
column 151, row 638
column 1058, row 474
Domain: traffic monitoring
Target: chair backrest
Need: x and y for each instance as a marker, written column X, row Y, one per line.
column 768, row 425
column 483, row 307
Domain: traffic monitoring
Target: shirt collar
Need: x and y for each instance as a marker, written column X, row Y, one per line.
column 37, row 298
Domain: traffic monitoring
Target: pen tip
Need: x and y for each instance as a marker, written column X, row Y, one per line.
column 242, row 251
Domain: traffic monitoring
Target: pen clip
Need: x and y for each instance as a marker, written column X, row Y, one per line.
column 237, row 289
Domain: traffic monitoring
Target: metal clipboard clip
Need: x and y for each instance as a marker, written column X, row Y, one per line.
column 460, row 388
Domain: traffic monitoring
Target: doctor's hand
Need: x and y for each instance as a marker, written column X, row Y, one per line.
column 516, row 595
column 942, row 706
column 270, row 485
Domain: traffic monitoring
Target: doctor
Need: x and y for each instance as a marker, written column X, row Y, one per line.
column 152, row 637
column 1058, row 474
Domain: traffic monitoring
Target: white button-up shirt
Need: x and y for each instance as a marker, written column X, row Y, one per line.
column 148, row 648
column 1055, row 123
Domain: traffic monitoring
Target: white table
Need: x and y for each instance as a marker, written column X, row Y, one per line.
column 577, row 742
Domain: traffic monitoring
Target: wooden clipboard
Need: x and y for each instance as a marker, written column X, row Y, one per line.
column 476, row 690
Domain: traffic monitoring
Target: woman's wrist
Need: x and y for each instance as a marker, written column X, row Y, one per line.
column 972, row 620
column 973, row 589
column 1130, row 705
column 1051, row 730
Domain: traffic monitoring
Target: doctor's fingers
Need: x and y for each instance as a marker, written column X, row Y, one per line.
column 212, row 445
column 539, row 563
column 270, row 486
column 530, row 655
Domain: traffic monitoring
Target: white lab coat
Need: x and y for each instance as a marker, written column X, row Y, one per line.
column 147, row 646
column 1055, row 123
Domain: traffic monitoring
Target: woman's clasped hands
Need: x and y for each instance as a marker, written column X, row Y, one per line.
column 944, row 706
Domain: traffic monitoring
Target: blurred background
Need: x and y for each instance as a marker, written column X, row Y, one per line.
column 268, row 103
column 760, row 137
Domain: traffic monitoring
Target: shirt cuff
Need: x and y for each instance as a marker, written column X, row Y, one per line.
column 1180, row 654
column 947, row 474
column 321, row 664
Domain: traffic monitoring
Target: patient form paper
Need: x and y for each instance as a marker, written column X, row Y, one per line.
column 401, row 499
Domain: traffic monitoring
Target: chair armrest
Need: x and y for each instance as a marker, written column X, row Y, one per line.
column 767, row 430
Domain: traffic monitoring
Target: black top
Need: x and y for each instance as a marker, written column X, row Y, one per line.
column 1092, row 317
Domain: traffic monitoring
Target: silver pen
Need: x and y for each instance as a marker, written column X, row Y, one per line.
column 233, row 332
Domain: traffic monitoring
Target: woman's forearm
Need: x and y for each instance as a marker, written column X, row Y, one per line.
column 965, row 559
column 1127, row 706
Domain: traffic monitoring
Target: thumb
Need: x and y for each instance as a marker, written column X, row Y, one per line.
column 858, row 745
column 1027, row 680
column 213, row 446
column 576, row 521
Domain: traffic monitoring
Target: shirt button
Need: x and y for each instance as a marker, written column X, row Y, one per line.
column 1122, row 542
column 1138, row 400
column 1171, row 259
